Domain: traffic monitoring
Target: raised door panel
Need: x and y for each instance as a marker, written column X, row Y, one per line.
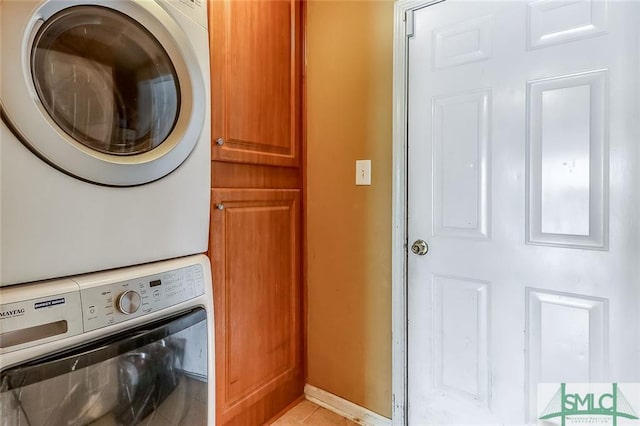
column 256, row 80
column 255, row 254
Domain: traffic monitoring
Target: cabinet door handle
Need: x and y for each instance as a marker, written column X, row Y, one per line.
column 220, row 206
column 220, row 141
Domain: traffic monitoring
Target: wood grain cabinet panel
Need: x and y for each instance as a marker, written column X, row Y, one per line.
column 255, row 253
column 256, row 81
column 236, row 175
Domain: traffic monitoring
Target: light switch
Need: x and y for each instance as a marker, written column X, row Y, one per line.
column 363, row 172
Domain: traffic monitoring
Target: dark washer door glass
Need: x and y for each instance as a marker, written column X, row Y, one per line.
column 105, row 80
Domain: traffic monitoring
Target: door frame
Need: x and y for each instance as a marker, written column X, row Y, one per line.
column 403, row 25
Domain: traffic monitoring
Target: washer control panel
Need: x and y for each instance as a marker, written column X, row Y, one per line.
column 112, row 303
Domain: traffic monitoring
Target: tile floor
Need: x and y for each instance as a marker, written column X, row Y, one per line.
column 309, row 414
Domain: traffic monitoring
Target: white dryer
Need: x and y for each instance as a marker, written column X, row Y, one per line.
column 105, row 143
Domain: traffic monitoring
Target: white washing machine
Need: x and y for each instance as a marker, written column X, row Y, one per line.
column 130, row 346
column 105, row 143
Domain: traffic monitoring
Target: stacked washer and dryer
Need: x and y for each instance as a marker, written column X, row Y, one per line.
column 106, row 310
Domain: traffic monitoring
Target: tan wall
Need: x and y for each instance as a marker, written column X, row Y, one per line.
column 349, row 112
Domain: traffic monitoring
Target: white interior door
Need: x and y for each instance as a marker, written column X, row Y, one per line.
column 523, row 155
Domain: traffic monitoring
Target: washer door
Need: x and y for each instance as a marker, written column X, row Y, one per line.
column 109, row 92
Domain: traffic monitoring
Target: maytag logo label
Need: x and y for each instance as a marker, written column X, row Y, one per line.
column 11, row 313
column 588, row 404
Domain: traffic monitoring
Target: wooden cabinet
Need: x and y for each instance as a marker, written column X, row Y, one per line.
column 255, row 81
column 255, row 247
column 255, row 241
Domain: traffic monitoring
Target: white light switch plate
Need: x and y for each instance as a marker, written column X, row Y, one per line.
column 363, row 172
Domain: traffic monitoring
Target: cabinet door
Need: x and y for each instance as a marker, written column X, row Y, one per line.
column 255, row 254
column 256, row 81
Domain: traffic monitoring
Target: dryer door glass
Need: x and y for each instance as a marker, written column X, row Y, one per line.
column 105, row 80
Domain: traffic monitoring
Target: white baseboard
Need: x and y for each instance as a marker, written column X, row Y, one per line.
column 344, row 408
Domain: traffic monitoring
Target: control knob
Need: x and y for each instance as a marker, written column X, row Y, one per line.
column 129, row 302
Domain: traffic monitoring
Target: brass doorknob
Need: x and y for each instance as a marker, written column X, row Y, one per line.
column 420, row 247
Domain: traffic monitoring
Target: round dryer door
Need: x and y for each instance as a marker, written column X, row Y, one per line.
column 111, row 94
